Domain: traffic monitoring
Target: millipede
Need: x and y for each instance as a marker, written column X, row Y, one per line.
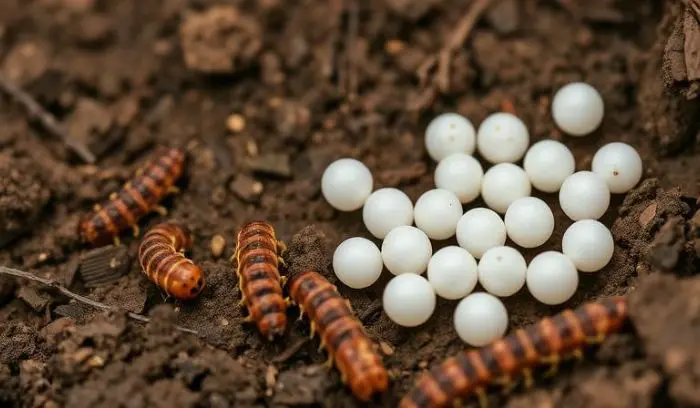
column 544, row 343
column 341, row 333
column 162, row 260
column 257, row 259
column 136, row 198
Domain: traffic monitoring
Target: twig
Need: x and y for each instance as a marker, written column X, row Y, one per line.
column 47, row 120
column 82, row 299
column 287, row 353
column 443, row 58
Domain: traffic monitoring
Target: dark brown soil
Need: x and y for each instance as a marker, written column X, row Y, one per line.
column 274, row 90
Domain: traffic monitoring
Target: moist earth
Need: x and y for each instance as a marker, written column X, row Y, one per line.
column 264, row 94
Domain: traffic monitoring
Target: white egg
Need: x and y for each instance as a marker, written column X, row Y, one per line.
column 584, row 195
column 529, row 222
column 502, row 184
column 502, row 271
column 479, row 230
column 409, row 300
column 480, row 319
column 502, row 138
column 449, row 133
column 386, row 209
column 406, row 249
column 548, row 163
column 437, row 212
column 620, row 165
column 357, row 262
column 589, row 244
column 552, row 278
column 461, row 174
column 452, row 272
column 578, row 109
column 346, row 184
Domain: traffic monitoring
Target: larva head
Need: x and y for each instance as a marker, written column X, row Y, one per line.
column 273, row 325
column 186, row 282
column 91, row 232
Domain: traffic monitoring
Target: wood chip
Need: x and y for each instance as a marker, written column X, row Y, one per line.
column 104, row 265
column 647, row 215
column 32, row 298
column 272, row 164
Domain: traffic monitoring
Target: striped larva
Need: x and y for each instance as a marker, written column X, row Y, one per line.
column 162, row 260
column 341, row 333
column 257, row 266
column 546, row 342
column 136, row 198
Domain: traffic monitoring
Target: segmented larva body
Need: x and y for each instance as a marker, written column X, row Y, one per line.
column 341, row 333
column 257, row 266
column 136, row 198
column 543, row 343
column 162, row 260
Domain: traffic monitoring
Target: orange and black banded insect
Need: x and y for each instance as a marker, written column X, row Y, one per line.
column 544, row 343
column 137, row 198
column 257, row 266
column 162, row 260
column 342, row 334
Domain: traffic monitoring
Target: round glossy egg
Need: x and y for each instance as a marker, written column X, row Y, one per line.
column 502, row 184
column 453, row 272
column 437, row 212
column 357, row 262
column 552, row 278
column 548, row 163
column 584, row 195
column 346, row 184
column 578, row 109
column 386, row 209
column 529, row 222
column 502, row 271
column 461, row 174
column 409, row 300
column 502, row 138
column 589, row 244
column 479, row 230
column 620, row 165
column 406, row 249
column 447, row 134
column 480, row 319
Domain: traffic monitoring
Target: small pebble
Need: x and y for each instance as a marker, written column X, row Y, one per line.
column 271, row 164
column 217, row 245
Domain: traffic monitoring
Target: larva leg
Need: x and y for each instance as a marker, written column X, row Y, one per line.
column 457, row 403
column 161, row 210
column 553, row 362
column 283, row 280
column 288, row 301
column 117, row 242
column 135, row 229
column 281, row 247
column 577, row 354
column 507, row 383
column 113, row 196
column 483, row 399
column 527, row 376
column 243, row 301
column 96, row 207
column 173, row 190
column 139, row 172
column 321, row 346
column 329, row 362
column 281, row 261
column 313, row 330
column 248, row 319
column 595, row 340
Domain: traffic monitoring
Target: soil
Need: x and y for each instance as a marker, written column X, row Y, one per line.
column 265, row 94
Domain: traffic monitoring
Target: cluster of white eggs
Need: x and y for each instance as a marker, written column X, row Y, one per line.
column 453, row 272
